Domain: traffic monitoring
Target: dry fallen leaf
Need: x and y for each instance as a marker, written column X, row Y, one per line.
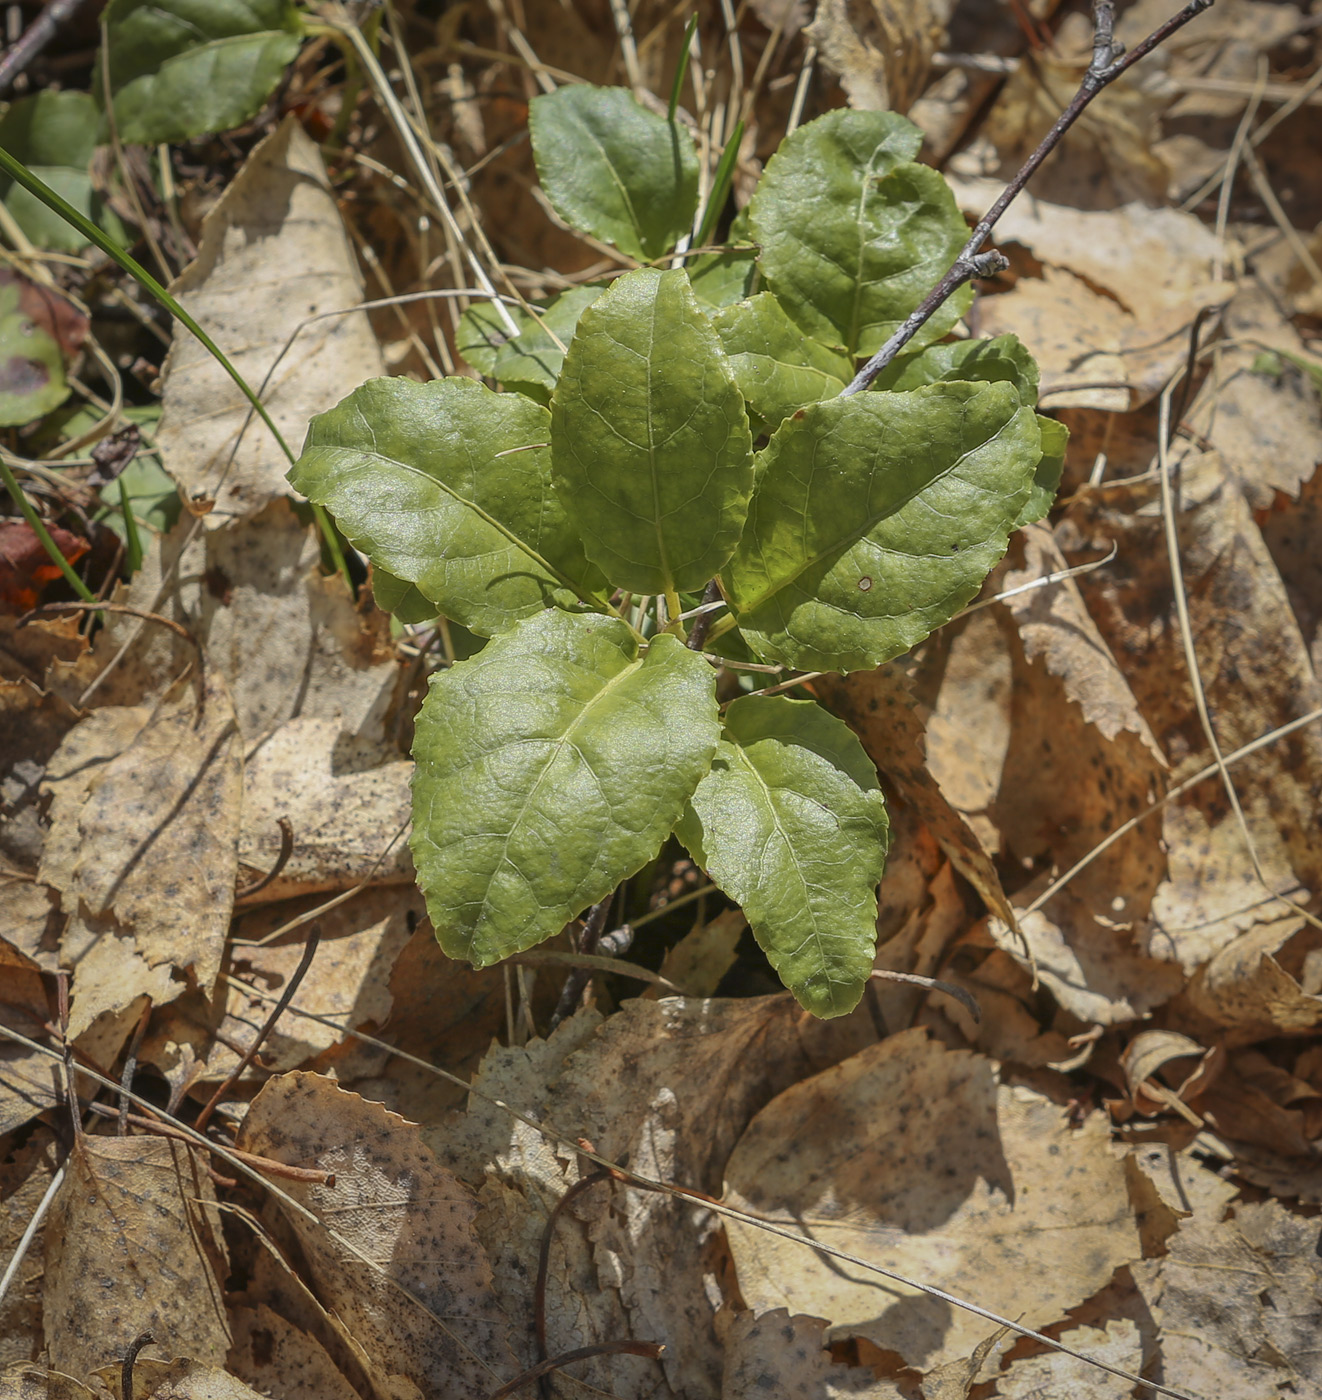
column 913, row 1156
column 133, row 1245
column 394, row 1256
column 277, row 1358
column 30, row 1081
column 184, row 1379
column 25, row 1178
column 273, row 253
column 144, row 823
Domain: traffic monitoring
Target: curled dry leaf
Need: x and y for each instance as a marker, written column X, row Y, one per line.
column 133, row 1245
column 1246, row 993
column 1149, row 1053
column 273, row 253
column 144, row 823
column 392, row 1254
column 914, row 1157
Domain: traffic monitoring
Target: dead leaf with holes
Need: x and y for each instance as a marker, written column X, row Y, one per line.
column 133, row 1244
column 916, row 1158
column 273, row 254
column 390, row 1245
column 142, row 847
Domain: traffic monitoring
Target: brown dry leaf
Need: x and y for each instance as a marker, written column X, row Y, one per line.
column 776, row 1354
column 277, row 1358
column 1291, row 530
column 1054, row 1374
column 1118, row 292
column 879, row 707
column 1240, row 1302
column 23, row 1381
column 1054, row 625
column 26, row 1173
column 1245, row 992
column 30, row 1081
column 423, row 1309
column 879, row 49
column 133, row 1244
column 142, row 847
column 273, row 253
column 348, row 979
column 1257, row 674
column 703, row 956
column 913, row 1156
column 184, row 1379
column 343, row 821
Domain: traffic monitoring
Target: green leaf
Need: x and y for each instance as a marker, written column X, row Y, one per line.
column 181, row 68
column 1002, row 360
column 405, row 601
column 791, row 824
column 448, row 486
column 551, row 767
column 876, row 518
column 54, row 135
column 853, row 233
column 650, row 442
column 721, row 279
column 32, row 378
column 1046, row 475
column 613, row 169
column 529, row 361
column 778, row 368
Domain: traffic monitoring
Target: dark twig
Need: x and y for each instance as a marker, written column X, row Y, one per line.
column 281, row 860
column 1190, row 364
column 305, row 962
column 593, row 927
column 130, row 1069
column 70, row 1083
column 652, row 1350
column 702, row 623
column 544, row 1258
column 143, row 1339
column 1106, row 66
column 35, row 38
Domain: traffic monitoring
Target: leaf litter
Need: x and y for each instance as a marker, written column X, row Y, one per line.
column 1121, row 1151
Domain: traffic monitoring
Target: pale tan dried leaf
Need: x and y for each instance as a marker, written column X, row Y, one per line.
column 348, row 979
column 30, row 919
column 879, row 49
column 1246, row 993
column 1149, row 1053
column 914, row 1157
column 25, row 1178
column 879, row 707
column 25, row 1381
column 133, row 1244
column 1055, row 626
column 144, row 823
column 273, row 253
column 29, row 1080
column 703, row 956
column 776, row 1354
column 1241, row 1304
column 184, row 1379
column 1054, row 1374
column 423, row 1311
column 344, row 822
column 277, row 1358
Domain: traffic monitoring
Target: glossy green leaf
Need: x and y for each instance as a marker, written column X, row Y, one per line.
column 721, row 279
column 529, row 361
column 649, row 438
column 876, row 518
column 405, row 601
column 778, row 368
column 181, row 68
column 853, row 233
column 613, row 169
column 1002, row 360
column 791, row 823
column 54, row 135
column 551, row 767
column 448, row 486
column 1046, row 475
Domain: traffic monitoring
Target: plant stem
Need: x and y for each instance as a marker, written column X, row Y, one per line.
column 1106, row 66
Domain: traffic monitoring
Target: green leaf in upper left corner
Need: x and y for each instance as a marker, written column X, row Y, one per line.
column 54, row 135
column 181, row 68
column 613, row 169
column 791, row 824
column 448, row 486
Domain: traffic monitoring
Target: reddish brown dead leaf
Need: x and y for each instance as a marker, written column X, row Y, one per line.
column 133, row 1245
column 394, row 1258
column 914, row 1157
column 144, row 822
column 25, row 567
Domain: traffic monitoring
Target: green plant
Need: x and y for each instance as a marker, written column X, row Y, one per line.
column 580, row 517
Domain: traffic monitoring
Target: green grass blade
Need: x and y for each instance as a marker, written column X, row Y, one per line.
column 681, row 68
column 720, row 186
column 43, row 534
column 132, row 539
